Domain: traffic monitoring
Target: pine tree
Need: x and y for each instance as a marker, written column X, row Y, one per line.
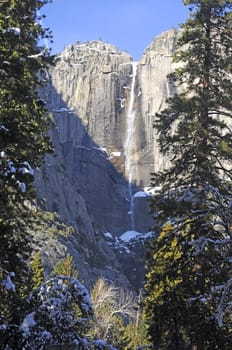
column 37, row 271
column 23, row 141
column 51, row 321
column 173, row 278
column 188, row 294
column 65, row 267
column 135, row 337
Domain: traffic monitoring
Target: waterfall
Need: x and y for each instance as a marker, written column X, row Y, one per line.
column 129, row 145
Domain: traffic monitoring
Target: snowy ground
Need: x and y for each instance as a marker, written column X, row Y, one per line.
column 127, row 240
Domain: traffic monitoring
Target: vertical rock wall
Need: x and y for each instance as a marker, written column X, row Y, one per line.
column 88, row 93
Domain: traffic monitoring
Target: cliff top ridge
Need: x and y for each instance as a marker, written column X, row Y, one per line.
column 161, row 44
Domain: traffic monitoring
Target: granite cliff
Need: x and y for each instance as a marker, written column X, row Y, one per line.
column 105, row 148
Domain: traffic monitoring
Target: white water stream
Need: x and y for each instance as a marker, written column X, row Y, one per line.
column 129, row 144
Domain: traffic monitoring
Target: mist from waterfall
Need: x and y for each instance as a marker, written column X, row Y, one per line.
column 129, row 144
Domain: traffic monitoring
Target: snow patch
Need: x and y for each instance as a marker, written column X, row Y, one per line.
column 3, row 327
column 132, row 235
column 36, row 55
column 11, row 168
column 142, row 194
column 152, row 190
column 3, row 128
column 64, row 109
column 28, row 322
column 127, row 240
column 8, row 284
column 22, row 186
column 108, row 235
column 26, row 169
column 102, row 150
column 115, row 154
column 129, row 235
column 14, row 30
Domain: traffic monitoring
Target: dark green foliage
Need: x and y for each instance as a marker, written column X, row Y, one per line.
column 196, row 196
column 177, row 310
column 23, row 125
column 51, row 320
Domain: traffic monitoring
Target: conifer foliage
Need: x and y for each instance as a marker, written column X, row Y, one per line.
column 52, row 320
column 23, row 124
column 189, row 278
column 65, row 267
column 37, row 271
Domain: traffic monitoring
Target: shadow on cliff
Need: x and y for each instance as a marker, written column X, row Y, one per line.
column 80, row 167
column 81, row 184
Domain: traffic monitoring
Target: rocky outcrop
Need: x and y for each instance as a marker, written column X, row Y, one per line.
column 155, row 65
column 86, row 180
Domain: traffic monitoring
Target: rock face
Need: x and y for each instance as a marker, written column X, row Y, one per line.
column 105, row 146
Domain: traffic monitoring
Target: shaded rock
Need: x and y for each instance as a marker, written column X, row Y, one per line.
column 85, row 181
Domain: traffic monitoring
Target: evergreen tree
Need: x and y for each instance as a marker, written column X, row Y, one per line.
column 172, row 280
column 23, row 123
column 188, row 288
column 65, row 267
column 55, row 322
column 135, row 336
column 52, row 322
column 37, row 271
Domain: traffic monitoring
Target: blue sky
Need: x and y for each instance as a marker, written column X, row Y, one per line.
column 128, row 24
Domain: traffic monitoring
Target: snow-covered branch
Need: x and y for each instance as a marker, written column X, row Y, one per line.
column 225, row 304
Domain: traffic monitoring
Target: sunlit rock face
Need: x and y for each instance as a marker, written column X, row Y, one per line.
column 155, row 65
column 105, row 147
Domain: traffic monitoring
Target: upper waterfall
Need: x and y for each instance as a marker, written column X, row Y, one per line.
column 129, row 143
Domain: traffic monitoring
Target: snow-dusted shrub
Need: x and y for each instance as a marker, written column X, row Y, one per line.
column 61, row 310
